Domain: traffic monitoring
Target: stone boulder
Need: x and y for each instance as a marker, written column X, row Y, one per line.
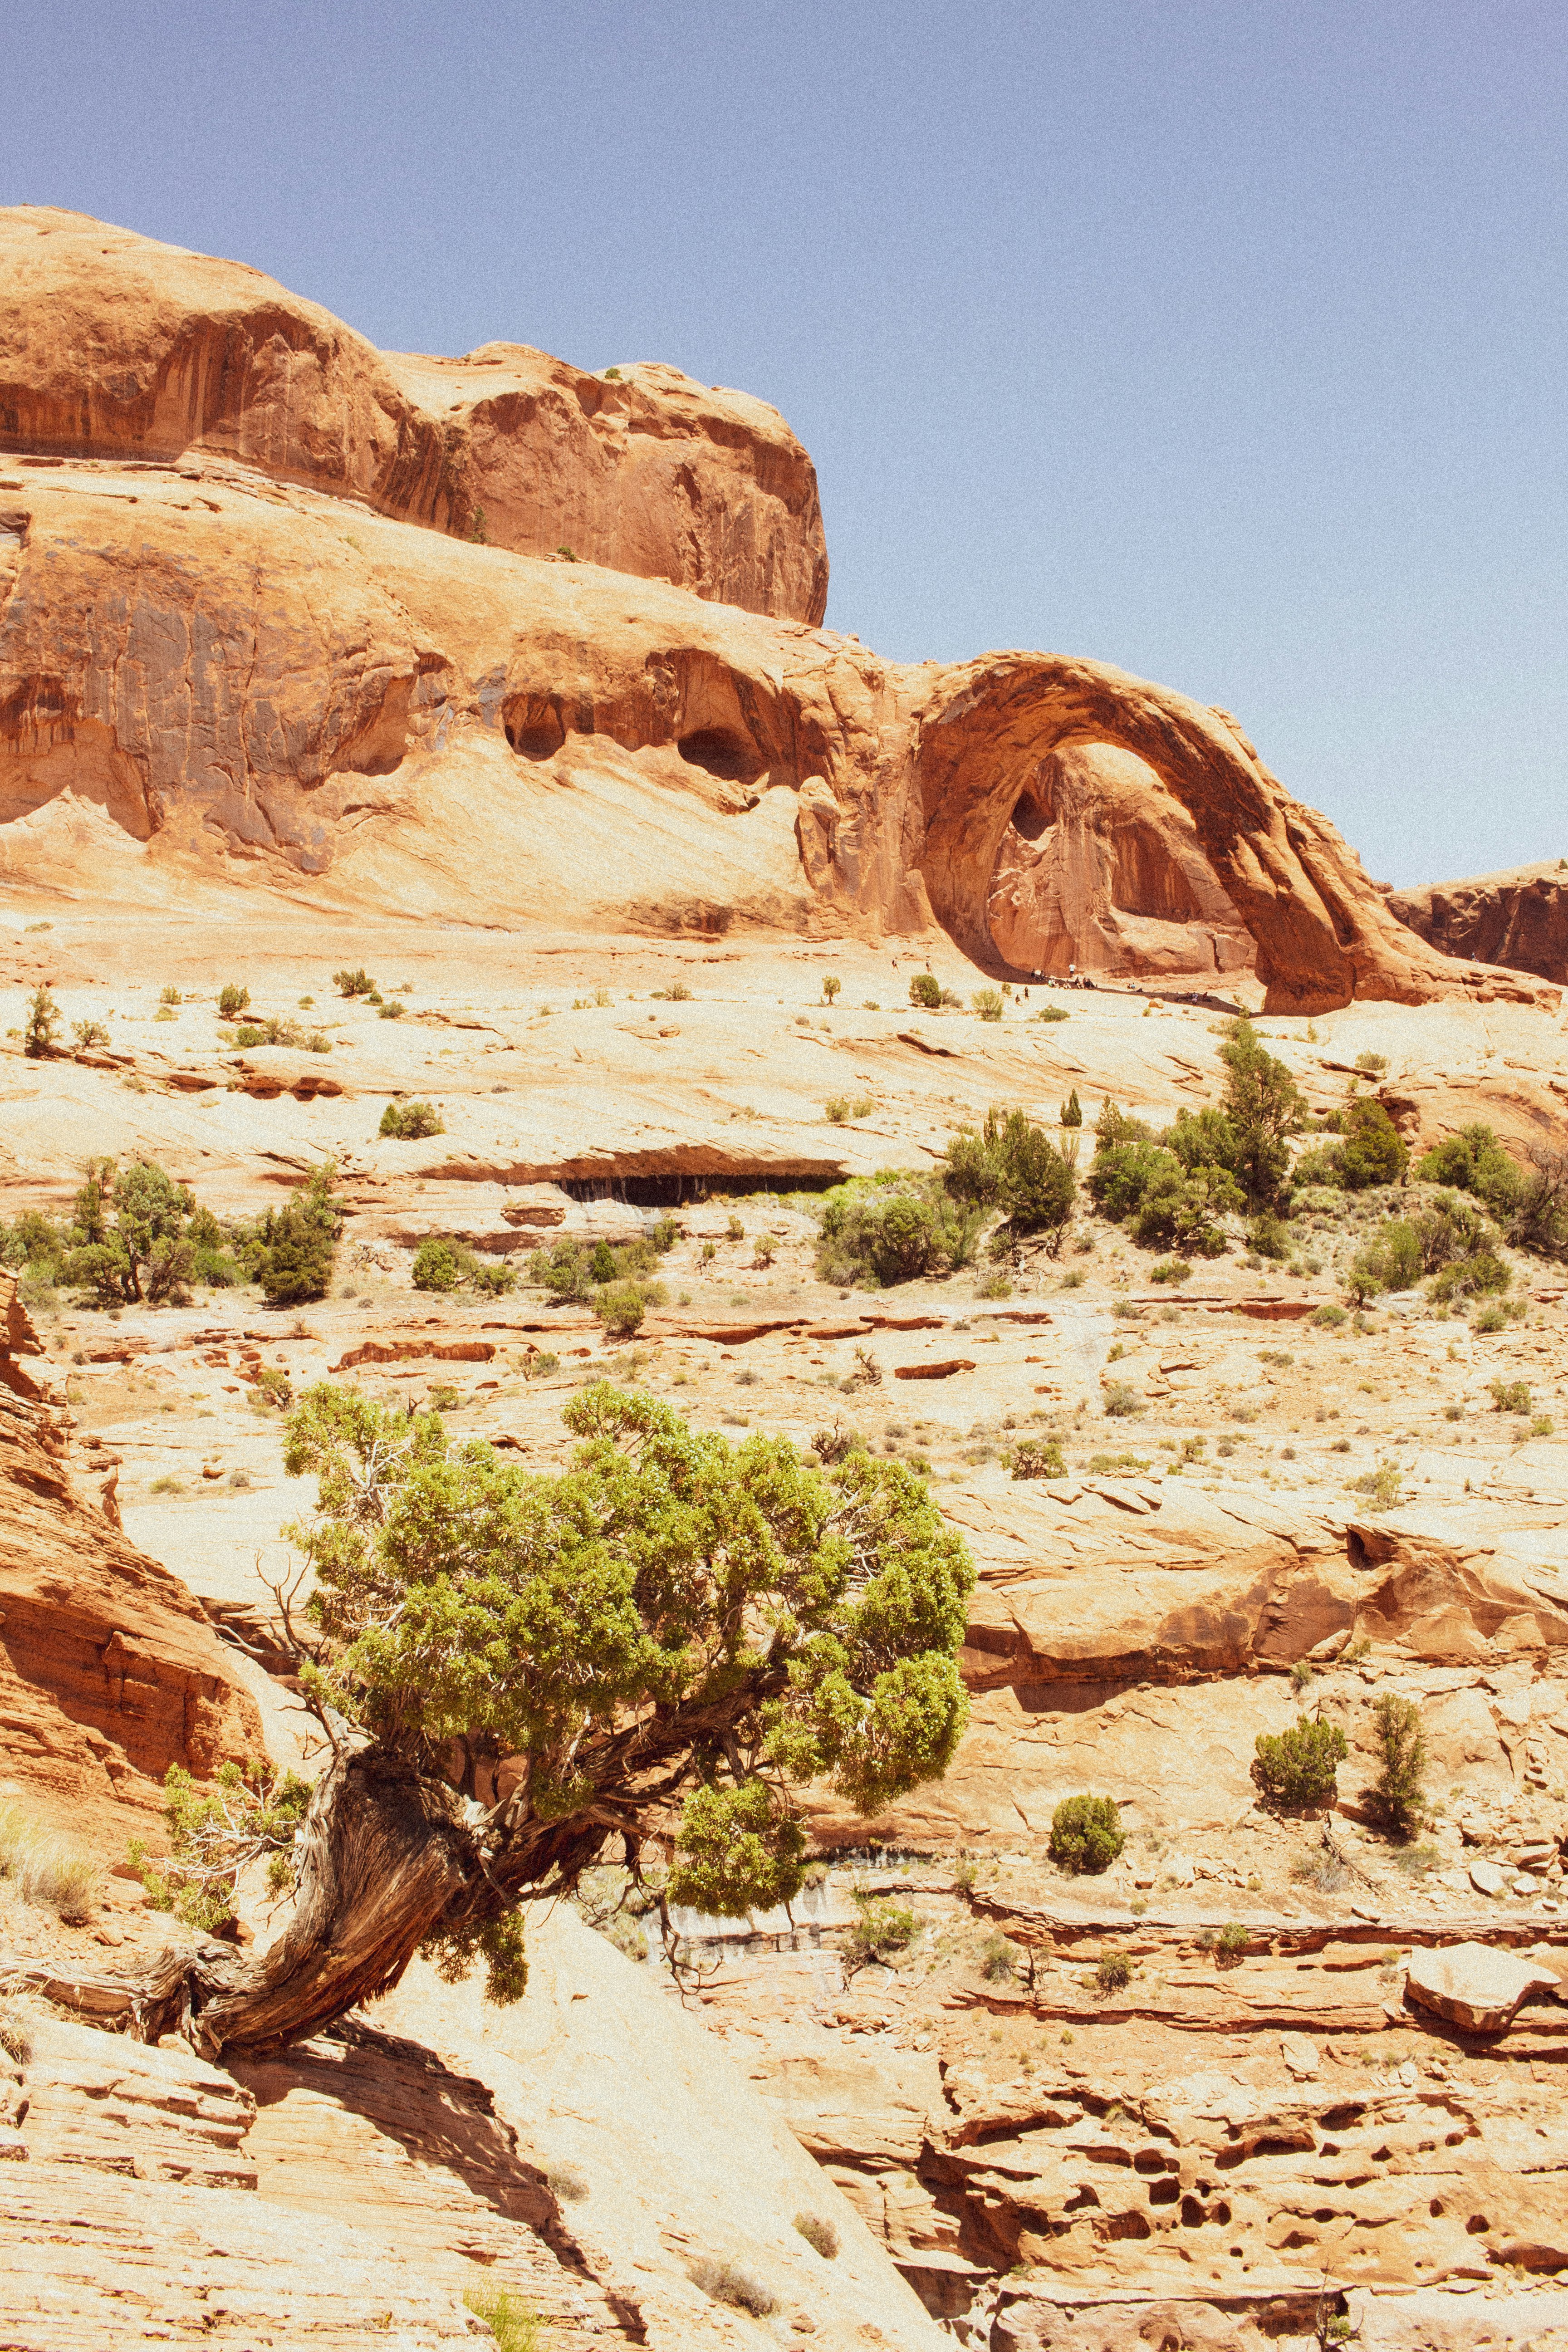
column 1518, row 917
column 1475, row 1985
column 115, row 346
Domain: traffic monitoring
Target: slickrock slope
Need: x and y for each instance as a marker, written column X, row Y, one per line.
column 113, row 345
column 202, row 680
column 110, row 1670
column 1518, row 917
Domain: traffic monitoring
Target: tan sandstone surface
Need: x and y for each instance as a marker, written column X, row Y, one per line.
column 113, row 345
column 267, row 713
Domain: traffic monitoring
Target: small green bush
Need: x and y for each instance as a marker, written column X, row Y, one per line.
column 1051, row 1013
column 515, row 2326
column 1329, row 1318
column 408, row 1121
column 1039, row 1457
column 621, row 1308
column 232, row 998
column 998, row 1959
column 394, row 1011
column 1120, row 1400
column 726, row 2282
column 1398, row 1796
column 357, row 982
column 1086, row 1835
column 1372, row 1152
column 1113, row 1972
column 882, row 1929
column 295, row 1245
column 1231, row 1941
column 1170, row 1269
column 1510, row 1396
column 987, row 1003
column 436, row 1266
column 830, row 988
column 1298, row 1768
column 925, row 992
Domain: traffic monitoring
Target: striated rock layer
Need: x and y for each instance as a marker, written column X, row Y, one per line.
column 1518, row 917
column 198, row 679
column 113, row 345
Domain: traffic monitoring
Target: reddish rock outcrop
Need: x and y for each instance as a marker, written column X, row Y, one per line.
column 108, row 1669
column 1518, row 918
column 195, row 674
column 115, row 346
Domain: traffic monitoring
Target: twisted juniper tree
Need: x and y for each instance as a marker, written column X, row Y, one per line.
column 670, row 1638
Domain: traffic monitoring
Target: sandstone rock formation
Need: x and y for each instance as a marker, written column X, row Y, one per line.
column 1474, row 1986
column 115, row 346
column 1518, row 917
column 108, row 1669
column 195, row 677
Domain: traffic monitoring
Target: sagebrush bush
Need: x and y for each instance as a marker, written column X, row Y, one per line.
column 999, row 1957
column 1086, row 1835
column 820, row 2235
column 441, row 1263
column 232, row 998
column 409, row 1120
column 892, row 1229
column 357, row 982
column 727, row 2281
column 1039, row 1457
column 880, row 1929
column 1113, row 1972
column 1299, row 1767
column 925, row 991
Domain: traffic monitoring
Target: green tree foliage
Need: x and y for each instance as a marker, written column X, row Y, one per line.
column 1039, row 1457
column 1373, row 1151
column 1012, row 1165
column 925, row 992
column 880, row 1930
column 357, row 982
column 244, row 1816
column 1086, row 1835
column 136, row 1235
column 670, row 1618
column 1115, row 1125
column 1122, row 1171
column 1298, row 1768
column 1071, row 1112
column 1474, row 1162
column 1539, row 1217
column 1398, row 1796
column 295, row 1245
column 1263, row 1105
column 407, row 1121
column 39, row 1034
column 989, row 1003
column 621, row 1308
column 1204, row 1139
column 1180, row 1213
column 1391, row 1260
column 441, row 1263
column 892, row 1229
column 232, row 998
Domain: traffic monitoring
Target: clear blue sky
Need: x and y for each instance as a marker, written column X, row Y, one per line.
column 1223, row 341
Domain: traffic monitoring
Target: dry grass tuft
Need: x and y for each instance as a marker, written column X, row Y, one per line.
column 46, row 1868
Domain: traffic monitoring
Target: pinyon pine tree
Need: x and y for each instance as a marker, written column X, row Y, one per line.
column 665, row 1641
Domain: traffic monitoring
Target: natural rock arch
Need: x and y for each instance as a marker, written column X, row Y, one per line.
column 1323, row 932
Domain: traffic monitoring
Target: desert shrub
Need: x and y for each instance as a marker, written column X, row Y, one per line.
column 1329, row 1318
column 1391, row 1260
column 1298, row 1768
column 892, row 1229
column 1170, row 1269
column 1398, row 1796
column 1268, row 1235
column 436, row 1266
column 1122, row 1172
column 243, row 1816
column 1181, row 1212
column 357, row 982
column 1116, row 1125
column 678, row 993
column 85, row 1035
column 1051, row 1013
column 987, row 1003
column 1010, row 1164
column 1231, row 1941
column 880, row 1930
column 46, row 1868
column 726, row 2282
column 1373, row 1151
column 999, row 1959
column 41, row 1028
column 408, row 1120
column 1263, row 1105
column 1474, row 1162
column 132, row 1237
column 1120, row 1400
column 1071, row 1112
column 1450, row 1229
column 1113, row 1972
column 1039, row 1457
column 1510, row 1396
column 392, row 1011
column 925, row 992
column 232, row 998
column 1383, row 1486
column 1473, row 1276
column 15, row 2029
column 820, row 2235
column 515, row 2326
column 831, row 986
column 1539, row 1217
column 295, row 1245
column 1087, row 1836
column 621, row 1308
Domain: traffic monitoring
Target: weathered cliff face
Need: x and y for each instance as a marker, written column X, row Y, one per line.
column 113, row 345
column 1518, row 918
column 110, row 1670
column 193, row 673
